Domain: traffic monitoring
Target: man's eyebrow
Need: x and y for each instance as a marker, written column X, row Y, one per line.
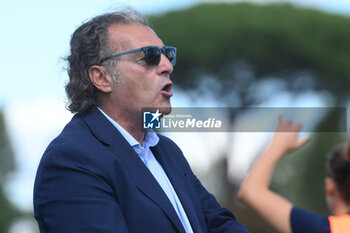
column 138, row 54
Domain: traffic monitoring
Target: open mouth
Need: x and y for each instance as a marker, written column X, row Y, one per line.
column 166, row 90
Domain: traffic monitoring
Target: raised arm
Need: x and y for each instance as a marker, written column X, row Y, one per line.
column 254, row 190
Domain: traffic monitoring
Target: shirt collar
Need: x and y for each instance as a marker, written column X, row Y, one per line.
column 151, row 138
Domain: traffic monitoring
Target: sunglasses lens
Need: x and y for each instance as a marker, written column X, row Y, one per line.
column 170, row 53
column 153, row 56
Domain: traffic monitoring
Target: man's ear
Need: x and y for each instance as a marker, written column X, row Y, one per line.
column 101, row 79
column 330, row 186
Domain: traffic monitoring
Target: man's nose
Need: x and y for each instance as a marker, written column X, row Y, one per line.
column 165, row 65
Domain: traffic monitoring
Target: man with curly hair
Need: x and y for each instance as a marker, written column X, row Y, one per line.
column 104, row 172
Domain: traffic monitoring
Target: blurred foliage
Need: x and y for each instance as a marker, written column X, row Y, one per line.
column 242, row 46
column 277, row 39
column 6, row 153
column 7, row 211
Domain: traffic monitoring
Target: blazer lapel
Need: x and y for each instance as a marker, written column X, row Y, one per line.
column 177, row 179
column 145, row 181
column 143, row 178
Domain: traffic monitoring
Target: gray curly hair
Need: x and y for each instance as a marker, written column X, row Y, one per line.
column 88, row 46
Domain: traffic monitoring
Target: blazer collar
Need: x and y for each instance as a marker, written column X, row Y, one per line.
column 104, row 130
column 99, row 125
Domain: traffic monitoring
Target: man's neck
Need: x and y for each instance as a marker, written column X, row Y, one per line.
column 130, row 122
column 133, row 129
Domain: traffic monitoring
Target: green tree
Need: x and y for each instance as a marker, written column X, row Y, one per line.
column 7, row 211
column 278, row 40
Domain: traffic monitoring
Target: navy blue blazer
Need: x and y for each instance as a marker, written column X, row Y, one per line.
column 90, row 180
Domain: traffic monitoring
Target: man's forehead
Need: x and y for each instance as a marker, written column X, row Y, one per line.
column 131, row 36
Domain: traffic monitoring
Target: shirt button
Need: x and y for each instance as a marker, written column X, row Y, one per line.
column 138, row 151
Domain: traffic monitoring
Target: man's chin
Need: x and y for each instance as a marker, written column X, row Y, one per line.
column 165, row 110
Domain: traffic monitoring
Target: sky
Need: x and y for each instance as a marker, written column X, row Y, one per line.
column 34, row 40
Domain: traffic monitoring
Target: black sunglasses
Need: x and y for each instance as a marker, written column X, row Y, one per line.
column 152, row 54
